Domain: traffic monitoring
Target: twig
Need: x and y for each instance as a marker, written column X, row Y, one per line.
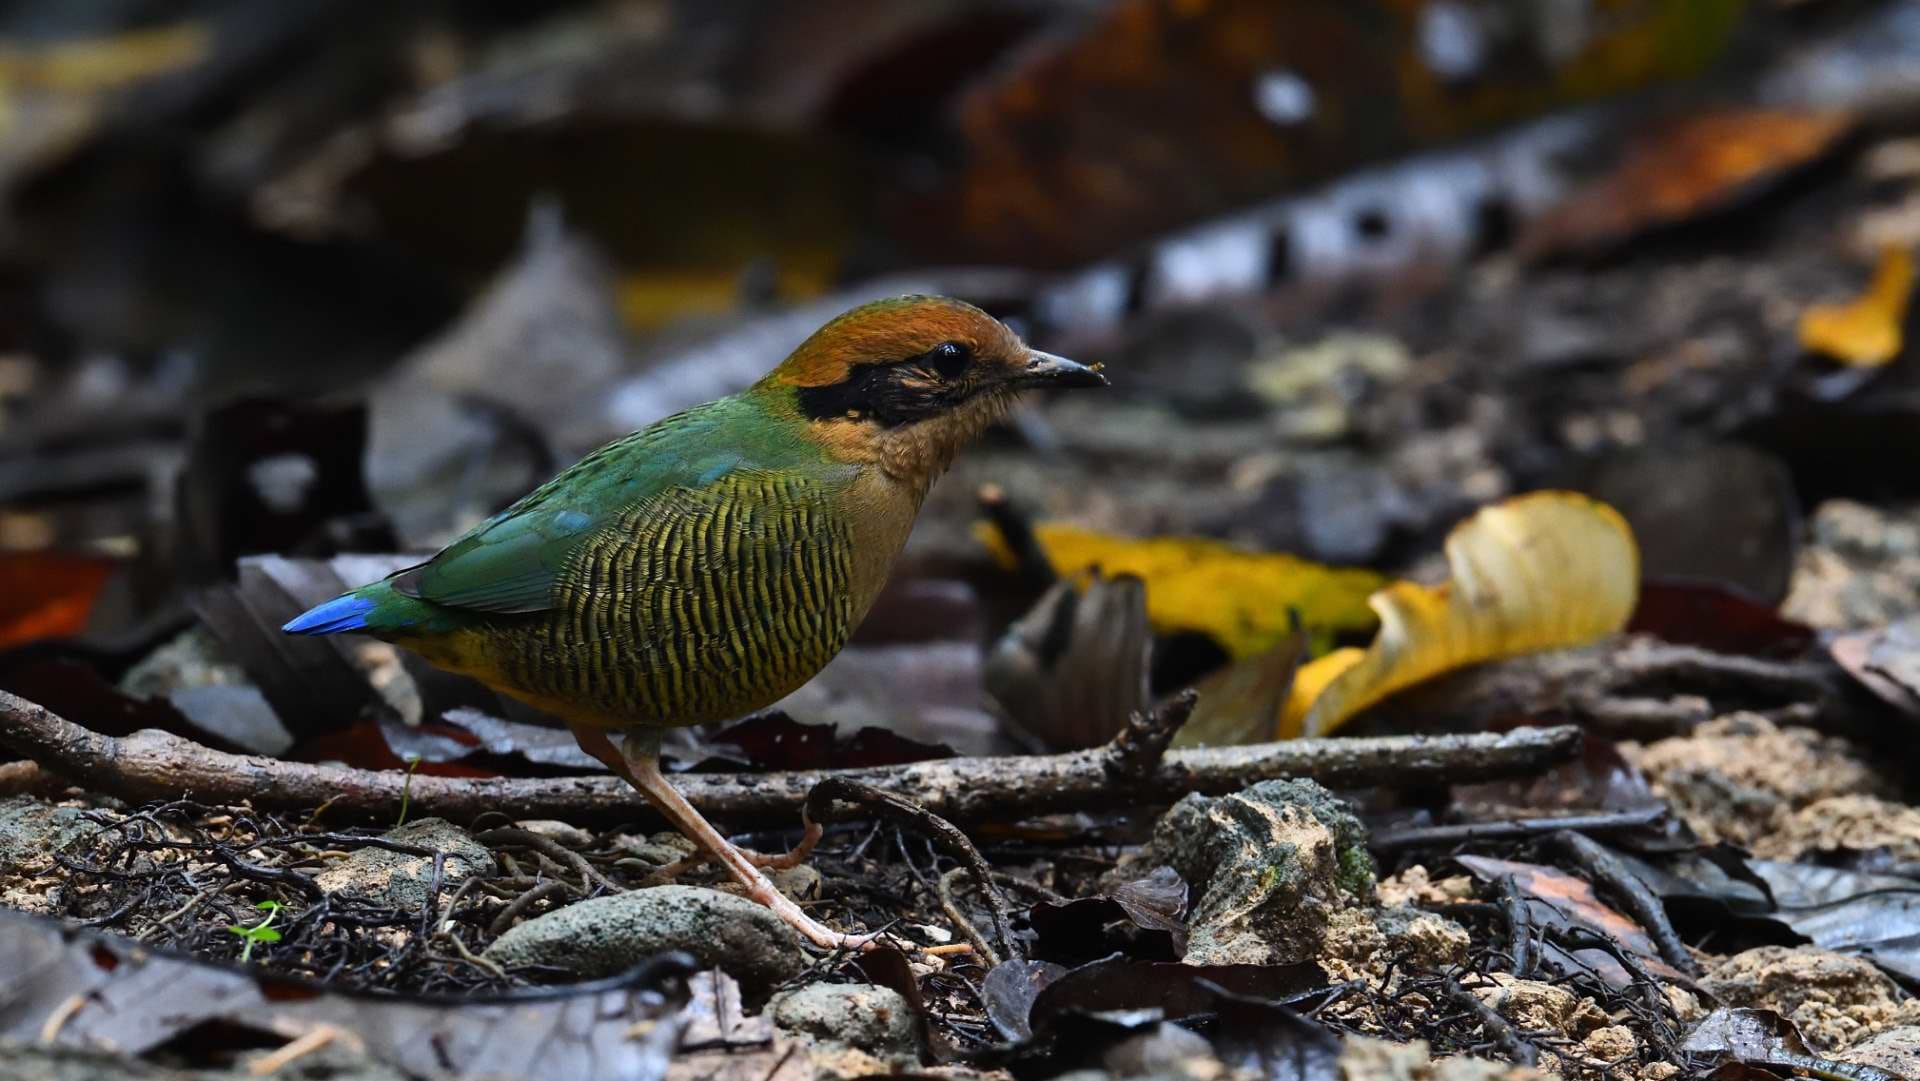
column 470, row 957
column 1498, row 1028
column 553, row 849
column 943, row 890
column 151, row 765
column 1629, row 687
column 430, row 911
column 831, row 790
column 1627, row 888
column 1520, row 928
column 1445, row 836
column 1143, row 741
column 313, row 1040
column 523, row 902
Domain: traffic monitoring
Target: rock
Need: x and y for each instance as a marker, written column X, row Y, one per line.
column 1416, row 886
column 1366, row 1059
column 606, row 935
column 1535, row 1006
column 659, row 849
column 1845, row 822
column 1860, row 569
column 192, row 658
column 873, row 1019
column 801, row 883
column 1896, row 1050
column 1735, row 778
column 30, row 831
column 1268, row 867
column 1610, row 1043
column 400, row 881
column 1165, row 1050
column 1367, row 945
column 1836, row 999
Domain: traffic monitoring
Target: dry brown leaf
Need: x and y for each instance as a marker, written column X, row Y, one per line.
column 1684, row 168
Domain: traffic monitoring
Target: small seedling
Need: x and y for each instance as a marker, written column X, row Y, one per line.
column 259, row 932
column 406, row 789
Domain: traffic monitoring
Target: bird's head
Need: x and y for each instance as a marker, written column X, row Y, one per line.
column 906, row 382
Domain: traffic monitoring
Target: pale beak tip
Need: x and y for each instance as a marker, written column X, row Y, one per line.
column 1046, row 369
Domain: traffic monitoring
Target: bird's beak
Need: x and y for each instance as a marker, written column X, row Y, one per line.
column 1047, row 370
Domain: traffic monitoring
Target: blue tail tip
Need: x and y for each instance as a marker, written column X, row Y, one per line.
column 348, row 613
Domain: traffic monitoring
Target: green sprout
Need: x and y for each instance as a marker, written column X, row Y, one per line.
column 259, row 932
column 406, row 789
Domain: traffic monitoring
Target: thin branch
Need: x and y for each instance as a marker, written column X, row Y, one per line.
column 150, row 765
column 820, row 807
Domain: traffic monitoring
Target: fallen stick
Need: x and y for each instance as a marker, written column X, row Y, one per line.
column 1627, row 687
column 150, row 765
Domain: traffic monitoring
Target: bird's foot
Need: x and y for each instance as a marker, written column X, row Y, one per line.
column 811, row 929
column 787, row 860
column 791, row 858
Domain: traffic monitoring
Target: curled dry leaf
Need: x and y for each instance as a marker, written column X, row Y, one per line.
column 1867, row 331
column 1689, row 166
column 1243, row 599
column 1068, row 673
column 1541, row 571
column 1763, row 1038
column 1144, row 918
column 1873, row 916
column 1559, row 898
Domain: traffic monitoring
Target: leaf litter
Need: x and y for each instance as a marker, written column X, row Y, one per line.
column 1278, row 453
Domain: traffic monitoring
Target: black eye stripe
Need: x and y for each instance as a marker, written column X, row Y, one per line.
column 897, row 391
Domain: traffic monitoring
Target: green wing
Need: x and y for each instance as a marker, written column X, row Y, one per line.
column 509, row 562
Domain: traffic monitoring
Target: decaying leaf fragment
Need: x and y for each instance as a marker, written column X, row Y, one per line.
column 1242, row 598
column 1864, row 332
column 1539, row 571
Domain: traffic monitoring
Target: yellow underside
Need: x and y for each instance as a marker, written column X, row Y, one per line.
column 470, row 653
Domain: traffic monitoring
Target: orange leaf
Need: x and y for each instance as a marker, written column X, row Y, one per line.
column 1864, row 332
column 48, row 594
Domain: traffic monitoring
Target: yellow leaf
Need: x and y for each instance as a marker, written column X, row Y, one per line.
column 1865, row 331
column 1240, row 598
column 1540, row 571
column 88, row 65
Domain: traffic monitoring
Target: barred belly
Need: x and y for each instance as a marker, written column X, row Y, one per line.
column 698, row 606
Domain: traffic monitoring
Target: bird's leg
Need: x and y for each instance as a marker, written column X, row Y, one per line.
column 641, row 751
column 594, row 741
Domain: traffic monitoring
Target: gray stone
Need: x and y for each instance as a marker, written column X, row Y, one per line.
column 606, row 935
column 1166, row 1049
column 1267, row 866
column 30, row 831
column 873, row 1019
column 1896, row 1050
column 398, row 880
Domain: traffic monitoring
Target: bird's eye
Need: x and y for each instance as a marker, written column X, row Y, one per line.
column 949, row 359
